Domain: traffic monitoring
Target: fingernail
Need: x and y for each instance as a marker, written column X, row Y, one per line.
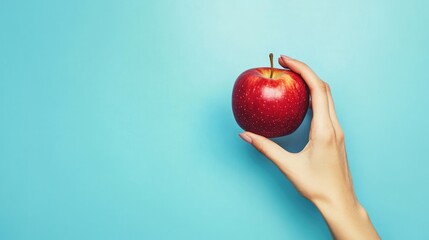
column 284, row 57
column 246, row 137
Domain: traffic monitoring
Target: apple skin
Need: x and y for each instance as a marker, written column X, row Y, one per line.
column 271, row 107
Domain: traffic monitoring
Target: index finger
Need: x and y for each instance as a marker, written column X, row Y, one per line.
column 317, row 88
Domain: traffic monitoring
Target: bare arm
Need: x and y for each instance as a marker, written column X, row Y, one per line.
column 320, row 171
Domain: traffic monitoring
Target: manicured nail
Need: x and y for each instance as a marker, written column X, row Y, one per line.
column 246, row 137
column 284, row 57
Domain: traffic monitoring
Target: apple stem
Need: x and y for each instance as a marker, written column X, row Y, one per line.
column 271, row 63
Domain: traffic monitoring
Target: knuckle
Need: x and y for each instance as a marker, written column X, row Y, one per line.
column 320, row 86
column 303, row 65
column 328, row 88
column 327, row 135
column 262, row 148
column 340, row 135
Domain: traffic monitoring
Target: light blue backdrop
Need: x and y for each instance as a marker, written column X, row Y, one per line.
column 115, row 117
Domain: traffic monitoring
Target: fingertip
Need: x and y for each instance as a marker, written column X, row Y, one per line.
column 246, row 137
column 282, row 62
column 252, row 135
column 284, row 57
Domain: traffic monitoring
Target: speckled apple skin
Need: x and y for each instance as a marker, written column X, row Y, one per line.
column 270, row 107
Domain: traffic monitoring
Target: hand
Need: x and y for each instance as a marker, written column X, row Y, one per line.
column 320, row 171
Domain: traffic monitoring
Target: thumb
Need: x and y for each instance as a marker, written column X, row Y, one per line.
column 270, row 149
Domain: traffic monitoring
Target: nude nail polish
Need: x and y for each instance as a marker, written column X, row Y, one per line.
column 246, row 137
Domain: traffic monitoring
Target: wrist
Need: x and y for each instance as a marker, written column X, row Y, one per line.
column 336, row 200
column 349, row 209
column 341, row 206
column 347, row 219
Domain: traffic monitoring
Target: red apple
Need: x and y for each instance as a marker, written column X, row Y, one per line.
column 270, row 102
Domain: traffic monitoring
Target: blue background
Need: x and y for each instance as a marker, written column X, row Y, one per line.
column 115, row 117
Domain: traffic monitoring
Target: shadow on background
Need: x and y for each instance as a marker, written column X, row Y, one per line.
column 296, row 141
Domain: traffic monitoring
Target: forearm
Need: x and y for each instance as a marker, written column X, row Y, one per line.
column 348, row 220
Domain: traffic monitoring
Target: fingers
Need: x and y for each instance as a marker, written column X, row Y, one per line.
column 319, row 99
column 332, row 113
column 270, row 149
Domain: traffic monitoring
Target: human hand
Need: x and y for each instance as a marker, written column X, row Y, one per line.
column 320, row 171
